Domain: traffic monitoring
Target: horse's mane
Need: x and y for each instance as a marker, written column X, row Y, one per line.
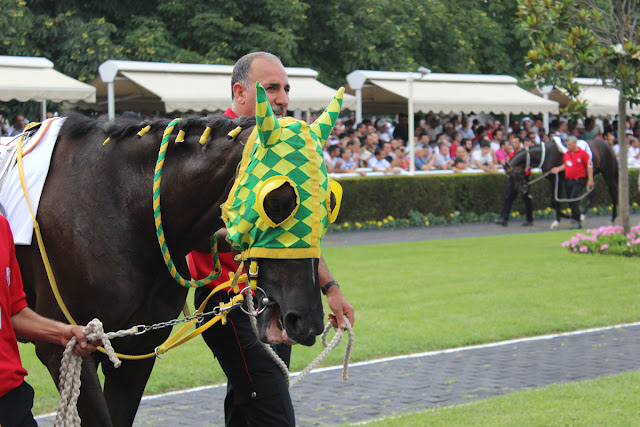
column 78, row 125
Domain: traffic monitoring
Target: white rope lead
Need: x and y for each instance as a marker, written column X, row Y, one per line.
column 329, row 347
column 71, row 367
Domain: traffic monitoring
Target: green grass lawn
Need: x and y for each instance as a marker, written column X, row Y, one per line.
column 430, row 295
column 603, row 401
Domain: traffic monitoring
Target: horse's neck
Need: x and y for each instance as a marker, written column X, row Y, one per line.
column 193, row 211
column 553, row 156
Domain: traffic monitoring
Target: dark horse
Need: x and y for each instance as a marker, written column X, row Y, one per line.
column 549, row 156
column 97, row 224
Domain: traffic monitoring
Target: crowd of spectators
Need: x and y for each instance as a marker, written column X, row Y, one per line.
column 455, row 143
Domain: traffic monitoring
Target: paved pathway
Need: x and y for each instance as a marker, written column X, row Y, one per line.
column 421, row 381
column 416, row 382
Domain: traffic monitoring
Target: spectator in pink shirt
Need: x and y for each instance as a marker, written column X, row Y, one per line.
column 502, row 155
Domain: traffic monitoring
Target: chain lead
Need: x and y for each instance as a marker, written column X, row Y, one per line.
column 199, row 316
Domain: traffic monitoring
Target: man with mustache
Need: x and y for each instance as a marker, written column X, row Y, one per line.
column 257, row 392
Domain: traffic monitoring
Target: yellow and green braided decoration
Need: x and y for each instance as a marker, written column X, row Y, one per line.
column 282, row 151
column 157, row 215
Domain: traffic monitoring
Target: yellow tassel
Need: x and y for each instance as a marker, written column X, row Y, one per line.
column 106, row 141
column 180, row 137
column 144, row 130
column 205, row 135
column 234, row 132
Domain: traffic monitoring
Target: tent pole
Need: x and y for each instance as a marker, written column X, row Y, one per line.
column 358, row 106
column 412, row 128
column 43, row 110
column 111, row 103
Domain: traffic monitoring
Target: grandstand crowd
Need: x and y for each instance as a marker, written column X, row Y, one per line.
column 455, row 144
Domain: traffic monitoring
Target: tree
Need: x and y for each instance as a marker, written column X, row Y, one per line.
column 590, row 38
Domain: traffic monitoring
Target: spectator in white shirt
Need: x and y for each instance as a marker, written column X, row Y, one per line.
column 332, row 157
column 482, row 159
column 443, row 159
column 379, row 163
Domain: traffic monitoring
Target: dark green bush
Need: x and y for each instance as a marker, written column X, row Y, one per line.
column 471, row 196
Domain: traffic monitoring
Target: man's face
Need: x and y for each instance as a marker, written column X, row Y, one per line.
column 461, row 152
column 395, row 144
column 386, row 147
column 20, row 121
column 444, row 149
column 507, row 147
column 572, row 146
column 273, row 77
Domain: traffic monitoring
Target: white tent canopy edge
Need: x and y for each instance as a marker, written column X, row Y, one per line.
column 184, row 87
column 26, row 78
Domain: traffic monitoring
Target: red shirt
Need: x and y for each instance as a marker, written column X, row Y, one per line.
column 12, row 300
column 452, row 150
column 201, row 263
column 576, row 164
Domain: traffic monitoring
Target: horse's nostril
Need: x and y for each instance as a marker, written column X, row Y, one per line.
column 294, row 322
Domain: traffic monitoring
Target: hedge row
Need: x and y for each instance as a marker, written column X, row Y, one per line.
column 373, row 198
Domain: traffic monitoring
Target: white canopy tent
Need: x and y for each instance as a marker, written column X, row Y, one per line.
column 28, row 78
column 388, row 91
column 394, row 92
column 602, row 101
column 139, row 86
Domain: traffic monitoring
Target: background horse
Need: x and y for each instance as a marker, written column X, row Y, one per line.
column 97, row 223
column 549, row 156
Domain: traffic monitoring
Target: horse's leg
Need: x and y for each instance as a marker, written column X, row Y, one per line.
column 554, row 203
column 588, row 204
column 92, row 408
column 123, row 388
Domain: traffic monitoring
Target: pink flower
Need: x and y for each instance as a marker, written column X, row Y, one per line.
column 566, row 244
column 603, row 247
column 584, row 249
column 629, row 244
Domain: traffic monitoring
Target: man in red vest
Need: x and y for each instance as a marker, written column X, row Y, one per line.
column 577, row 168
column 257, row 392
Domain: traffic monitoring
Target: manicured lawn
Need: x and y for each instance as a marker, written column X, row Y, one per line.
column 420, row 296
column 605, row 401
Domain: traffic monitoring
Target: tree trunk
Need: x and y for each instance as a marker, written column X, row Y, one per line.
column 623, row 180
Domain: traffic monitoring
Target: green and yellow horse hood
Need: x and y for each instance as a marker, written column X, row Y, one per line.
column 280, row 152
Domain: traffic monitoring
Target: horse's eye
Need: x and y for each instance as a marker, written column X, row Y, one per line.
column 334, row 199
column 277, row 200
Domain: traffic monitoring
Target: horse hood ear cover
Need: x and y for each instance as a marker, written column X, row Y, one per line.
column 278, row 152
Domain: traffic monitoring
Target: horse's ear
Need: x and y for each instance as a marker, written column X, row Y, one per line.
column 269, row 129
column 323, row 126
